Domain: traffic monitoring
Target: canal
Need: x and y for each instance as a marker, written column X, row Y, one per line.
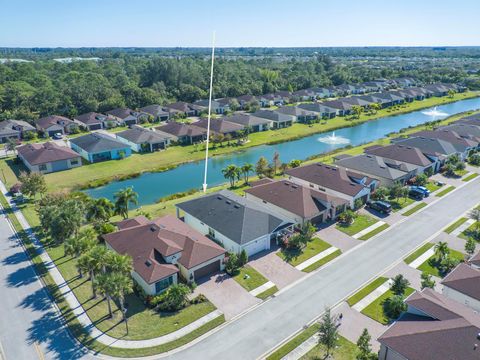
column 152, row 186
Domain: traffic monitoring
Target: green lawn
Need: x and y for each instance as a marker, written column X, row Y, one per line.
column 430, row 266
column 470, row 232
column 460, row 173
column 267, row 293
column 400, row 203
column 445, row 191
column 294, row 342
column 323, row 261
column 433, row 186
column 249, row 278
column 374, row 232
column 345, row 350
column 417, row 253
column 455, row 225
column 296, row 257
column 359, row 295
column 361, row 222
column 375, row 309
column 414, row 209
column 470, row 177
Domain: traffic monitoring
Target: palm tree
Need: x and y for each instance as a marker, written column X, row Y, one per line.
column 276, row 162
column 231, row 172
column 475, row 215
column 118, row 263
column 10, row 145
column 100, row 210
column 441, row 250
column 246, row 169
column 83, row 242
column 122, row 200
column 93, row 262
column 106, row 287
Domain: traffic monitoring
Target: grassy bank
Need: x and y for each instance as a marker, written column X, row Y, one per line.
column 101, row 173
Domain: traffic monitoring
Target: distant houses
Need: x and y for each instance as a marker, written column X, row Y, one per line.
column 15, row 129
column 54, row 124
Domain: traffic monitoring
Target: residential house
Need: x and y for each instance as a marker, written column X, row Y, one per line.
column 474, row 261
column 404, row 154
column 55, row 124
column 470, row 120
column 344, row 89
column 96, row 147
column 343, row 108
column 243, row 100
column 304, row 95
column 334, row 181
column 141, row 139
column 437, row 150
column 462, row 284
column 277, row 119
column 296, row 202
column 184, row 133
column 14, row 129
column 356, row 101
column 128, row 117
column 387, row 171
column 405, row 82
column 158, row 112
column 438, row 89
column 461, row 144
column 322, row 93
column 467, row 131
column 95, row 121
column 434, row 327
column 323, row 111
column 183, row 109
column 249, row 121
column 235, row 222
column 221, row 126
column 48, row 157
column 217, row 106
column 163, row 249
column 300, row 114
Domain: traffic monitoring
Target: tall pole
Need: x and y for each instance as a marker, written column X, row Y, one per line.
column 209, row 115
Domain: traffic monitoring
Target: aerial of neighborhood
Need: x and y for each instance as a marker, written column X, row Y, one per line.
column 203, row 181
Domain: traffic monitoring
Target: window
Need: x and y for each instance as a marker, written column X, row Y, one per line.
column 74, row 162
column 42, row 167
column 211, row 232
column 163, row 284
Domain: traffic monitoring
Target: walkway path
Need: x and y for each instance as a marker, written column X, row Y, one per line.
column 375, row 294
column 422, row 258
column 262, row 288
column 462, row 227
column 316, row 258
column 78, row 309
column 368, row 229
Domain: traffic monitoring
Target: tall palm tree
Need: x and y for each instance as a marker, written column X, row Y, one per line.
column 441, row 250
column 93, row 262
column 83, row 242
column 118, row 263
column 106, row 287
column 114, row 285
column 123, row 199
column 100, row 210
column 231, row 172
column 246, row 169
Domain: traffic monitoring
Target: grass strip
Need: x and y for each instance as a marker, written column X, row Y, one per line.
column 292, row 344
column 359, row 295
column 445, row 191
column 455, row 225
column 267, row 293
column 470, row 177
column 374, row 232
column 413, row 256
column 414, row 209
column 323, row 261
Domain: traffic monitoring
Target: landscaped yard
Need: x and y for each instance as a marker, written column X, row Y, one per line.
column 414, row 209
column 433, row 186
column 445, row 191
column 249, row 278
column 296, row 257
column 470, row 177
column 400, row 203
column 455, row 225
column 471, row 231
column 359, row 295
column 323, row 261
column 375, row 309
column 345, row 350
column 361, row 222
column 417, row 253
column 431, row 265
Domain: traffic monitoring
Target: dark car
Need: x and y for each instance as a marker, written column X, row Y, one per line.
column 416, row 194
column 422, row 189
column 380, row 206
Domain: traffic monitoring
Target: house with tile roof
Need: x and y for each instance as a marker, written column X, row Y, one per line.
column 164, row 249
column 462, row 284
column 301, row 115
column 278, row 120
column 96, row 147
column 248, row 120
column 184, row 133
column 141, row 139
column 54, row 124
column 48, row 157
column 221, row 126
column 14, row 129
column 95, row 121
column 128, row 117
column 236, row 222
column 158, row 112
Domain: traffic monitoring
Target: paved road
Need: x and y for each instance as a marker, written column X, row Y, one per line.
column 29, row 326
column 261, row 329
column 26, row 317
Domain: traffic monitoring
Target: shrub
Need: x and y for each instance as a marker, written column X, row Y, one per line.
column 474, row 159
column 200, row 298
column 394, row 307
column 174, row 298
column 242, row 258
column 347, row 217
column 231, row 265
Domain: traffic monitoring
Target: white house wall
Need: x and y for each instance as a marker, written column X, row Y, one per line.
column 461, row 298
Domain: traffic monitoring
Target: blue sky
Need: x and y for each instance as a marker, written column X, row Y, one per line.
column 73, row 23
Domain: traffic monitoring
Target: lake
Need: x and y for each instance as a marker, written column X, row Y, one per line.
column 153, row 186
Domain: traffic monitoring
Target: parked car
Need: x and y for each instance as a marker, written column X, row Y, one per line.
column 380, row 206
column 416, row 194
column 423, row 189
column 58, row 136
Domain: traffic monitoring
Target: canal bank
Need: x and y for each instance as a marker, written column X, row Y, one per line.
column 153, row 186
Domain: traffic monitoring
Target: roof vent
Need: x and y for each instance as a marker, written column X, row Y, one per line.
column 148, row 263
column 219, row 197
column 153, row 228
column 228, row 202
column 236, row 206
column 295, row 186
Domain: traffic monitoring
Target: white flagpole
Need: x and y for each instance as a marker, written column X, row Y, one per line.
column 209, row 115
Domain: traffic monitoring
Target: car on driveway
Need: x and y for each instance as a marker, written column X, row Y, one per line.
column 380, row 206
column 416, row 194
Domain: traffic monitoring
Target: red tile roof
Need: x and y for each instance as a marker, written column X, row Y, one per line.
column 36, row 154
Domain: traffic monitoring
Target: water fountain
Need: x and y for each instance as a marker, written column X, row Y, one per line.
column 434, row 112
column 333, row 139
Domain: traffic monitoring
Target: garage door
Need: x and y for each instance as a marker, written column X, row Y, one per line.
column 254, row 248
column 206, row 270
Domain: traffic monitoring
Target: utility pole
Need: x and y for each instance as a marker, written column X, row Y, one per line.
column 209, row 115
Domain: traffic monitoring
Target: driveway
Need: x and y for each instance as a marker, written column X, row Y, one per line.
column 336, row 238
column 226, row 294
column 275, row 269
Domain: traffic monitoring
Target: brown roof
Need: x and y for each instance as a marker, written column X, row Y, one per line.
column 220, row 125
column 475, row 259
column 403, row 153
column 148, row 242
column 90, row 118
column 449, row 330
column 46, row 122
column 447, row 135
column 261, row 182
column 121, row 113
column 297, row 199
column 36, row 154
column 182, row 129
column 464, row 279
column 329, row 176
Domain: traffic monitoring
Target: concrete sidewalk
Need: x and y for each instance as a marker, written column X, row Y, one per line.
column 375, row 294
column 316, row 258
column 77, row 308
column 368, row 229
column 422, row 258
